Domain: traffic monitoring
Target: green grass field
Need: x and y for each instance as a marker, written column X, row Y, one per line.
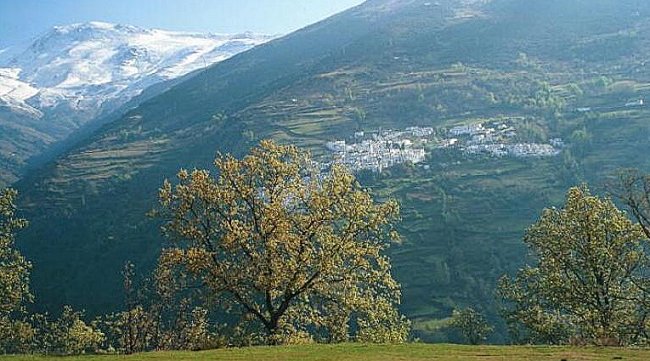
column 360, row 352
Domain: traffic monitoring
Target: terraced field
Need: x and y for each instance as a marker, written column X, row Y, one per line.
column 462, row 216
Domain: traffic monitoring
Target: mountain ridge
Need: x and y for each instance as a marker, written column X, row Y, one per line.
column 367, row 70
column 78, row 72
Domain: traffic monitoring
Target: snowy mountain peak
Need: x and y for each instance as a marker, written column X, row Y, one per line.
column 85, row 65
column 73, row 74
column 90, row 25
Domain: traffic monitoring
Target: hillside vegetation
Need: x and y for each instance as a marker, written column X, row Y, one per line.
column 568, row 69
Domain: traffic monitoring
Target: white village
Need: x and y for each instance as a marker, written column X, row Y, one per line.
column 381, row 149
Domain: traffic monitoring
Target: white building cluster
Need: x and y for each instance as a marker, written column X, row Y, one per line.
column 496, row 139
column 519, row 150
column 382, row 149
column 378, row 150
column 470, row 130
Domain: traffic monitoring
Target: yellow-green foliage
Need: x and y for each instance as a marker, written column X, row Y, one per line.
column 15, row 335
column 69, row 335
column 81, row 338
column 290, row 249
column 14, row 269
column 587, row 284
column 471, row 324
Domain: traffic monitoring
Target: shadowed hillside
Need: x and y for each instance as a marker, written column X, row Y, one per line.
column 569, row 70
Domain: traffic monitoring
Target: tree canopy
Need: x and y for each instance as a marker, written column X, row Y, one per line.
column 288, row 249
column 14, row 274
column 633, row 188
column 14, row 269
column 587, row 284
column 471, row 324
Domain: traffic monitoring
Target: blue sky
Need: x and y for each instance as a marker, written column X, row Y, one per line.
column 22, row 20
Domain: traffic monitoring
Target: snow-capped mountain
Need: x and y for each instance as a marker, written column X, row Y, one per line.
column 73, row 74
column 84, row 65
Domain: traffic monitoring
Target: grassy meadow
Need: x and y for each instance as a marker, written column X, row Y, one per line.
column 362, row 352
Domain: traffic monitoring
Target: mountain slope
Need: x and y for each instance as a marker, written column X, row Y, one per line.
column 75, row 73
column 568, row 75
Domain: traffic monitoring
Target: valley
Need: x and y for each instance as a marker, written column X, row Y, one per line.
column 474, row 118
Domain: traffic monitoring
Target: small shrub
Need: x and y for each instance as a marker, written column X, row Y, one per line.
column 471, row 324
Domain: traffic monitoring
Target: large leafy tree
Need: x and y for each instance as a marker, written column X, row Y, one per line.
column 587, row 283
column 632, row 187
column 14, row 277
column 14, row 269
column 286, row 247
